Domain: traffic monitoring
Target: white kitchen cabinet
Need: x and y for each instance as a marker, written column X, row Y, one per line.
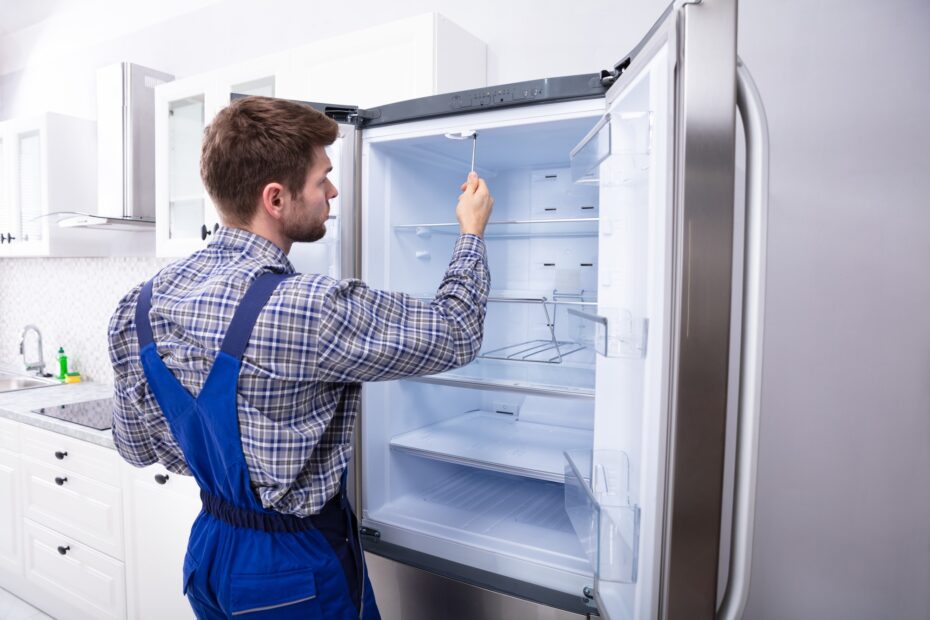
column 160, row 509
column 414, row 57
column 184, row 214
column 61, row 542
column 11, row 556
column 47, row 166
column 84, row 535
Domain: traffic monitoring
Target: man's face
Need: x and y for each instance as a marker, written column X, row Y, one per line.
column 305, row 218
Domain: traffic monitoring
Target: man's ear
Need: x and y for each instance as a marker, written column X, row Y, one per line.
column 274, row 198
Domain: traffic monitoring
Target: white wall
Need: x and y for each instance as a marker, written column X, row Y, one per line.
column 844, row 497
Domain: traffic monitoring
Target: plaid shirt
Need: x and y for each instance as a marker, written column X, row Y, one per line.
column 314, row 341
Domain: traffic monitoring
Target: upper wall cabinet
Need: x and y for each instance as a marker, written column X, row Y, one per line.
column 47, row 167
column 411, row 58
column 406, row 59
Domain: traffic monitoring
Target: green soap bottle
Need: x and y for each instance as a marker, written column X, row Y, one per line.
column 62, row 364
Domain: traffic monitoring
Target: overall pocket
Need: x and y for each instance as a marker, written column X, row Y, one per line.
column 282, row 595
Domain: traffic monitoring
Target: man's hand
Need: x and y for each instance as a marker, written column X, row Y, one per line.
column 474, row 207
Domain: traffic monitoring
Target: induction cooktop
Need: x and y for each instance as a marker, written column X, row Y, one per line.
column 96, row 414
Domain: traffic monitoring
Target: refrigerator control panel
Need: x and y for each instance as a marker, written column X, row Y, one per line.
column 494, row 96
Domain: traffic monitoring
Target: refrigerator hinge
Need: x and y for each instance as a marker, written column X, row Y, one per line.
column 608, row 77
column 589, row 601
column 370, row 532
column 350, row 114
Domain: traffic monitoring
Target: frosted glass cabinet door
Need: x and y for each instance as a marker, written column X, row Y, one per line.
column 8, row 221
column 22, row 188
column 259, row 76
column 185, row 216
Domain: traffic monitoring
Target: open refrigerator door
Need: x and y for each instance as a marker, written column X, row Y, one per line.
column 614, row 491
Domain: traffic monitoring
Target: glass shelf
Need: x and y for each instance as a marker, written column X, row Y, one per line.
column 598, row 504
column 511, row 229
column 497, row 442
column 551, row 353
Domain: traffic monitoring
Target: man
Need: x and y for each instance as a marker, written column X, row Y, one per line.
column 231, row 367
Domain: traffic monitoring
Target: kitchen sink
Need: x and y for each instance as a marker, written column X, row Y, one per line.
column 11, row 383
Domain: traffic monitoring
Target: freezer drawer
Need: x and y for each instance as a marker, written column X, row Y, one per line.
column 411, row 586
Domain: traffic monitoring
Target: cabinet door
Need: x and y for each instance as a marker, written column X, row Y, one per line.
column 7, row 220
column 184, row 212
column 160, row 510
column 11, row 557
column 26, row 170
column 345, row 69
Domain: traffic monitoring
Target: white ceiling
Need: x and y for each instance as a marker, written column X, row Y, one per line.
column 18, row 14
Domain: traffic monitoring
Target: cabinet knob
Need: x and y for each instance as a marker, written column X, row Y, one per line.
column 61, row 480
column 161, row 479
column 64, row 550
column 61, row 455
column 205, row 232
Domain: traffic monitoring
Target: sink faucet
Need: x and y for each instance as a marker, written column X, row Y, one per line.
column 37, row 365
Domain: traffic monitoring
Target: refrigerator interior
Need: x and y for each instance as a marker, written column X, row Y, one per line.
column 468, row 465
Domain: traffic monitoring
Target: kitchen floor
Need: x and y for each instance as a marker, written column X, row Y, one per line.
column 12, row 608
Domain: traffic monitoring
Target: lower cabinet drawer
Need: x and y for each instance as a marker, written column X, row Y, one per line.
column 87, row 580
column 9, row 435
column 57, row 450
column 75, row 505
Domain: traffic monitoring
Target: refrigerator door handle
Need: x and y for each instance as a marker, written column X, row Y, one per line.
column 755, row 126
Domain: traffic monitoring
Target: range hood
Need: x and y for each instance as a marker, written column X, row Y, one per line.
column 125, row 150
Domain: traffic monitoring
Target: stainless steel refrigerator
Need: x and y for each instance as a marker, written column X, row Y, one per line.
column 578, row 462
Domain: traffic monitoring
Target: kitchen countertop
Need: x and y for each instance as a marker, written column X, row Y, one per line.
column 18, row 406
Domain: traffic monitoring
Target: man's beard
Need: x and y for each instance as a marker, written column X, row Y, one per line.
column 305, row 230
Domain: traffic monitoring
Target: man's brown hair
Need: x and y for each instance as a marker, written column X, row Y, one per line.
column 259, row 140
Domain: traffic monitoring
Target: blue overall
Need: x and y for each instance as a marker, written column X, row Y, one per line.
column 243, row 560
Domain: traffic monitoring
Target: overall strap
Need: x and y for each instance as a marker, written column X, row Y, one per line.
column 143, row 305
column 243, row 321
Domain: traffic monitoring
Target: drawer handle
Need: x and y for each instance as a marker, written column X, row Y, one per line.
column 161, row 479
column 60, row 455
column 64, row 550
column 61, row 480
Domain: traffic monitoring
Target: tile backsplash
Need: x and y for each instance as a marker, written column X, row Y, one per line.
column 70, row 300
